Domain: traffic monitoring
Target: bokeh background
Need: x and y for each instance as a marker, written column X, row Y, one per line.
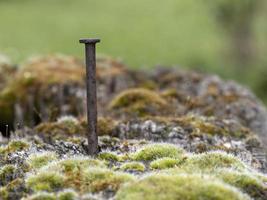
column 227, row 37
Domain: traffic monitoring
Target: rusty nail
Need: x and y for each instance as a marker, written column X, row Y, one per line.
column 90, row 59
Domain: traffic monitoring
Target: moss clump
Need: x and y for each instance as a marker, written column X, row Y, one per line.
column 3, row 193
column 60, row 129
column 165, row 163
column 41, row 196
column 133, row 166
column 7, row 174
column 99, row 179
column 105, row 126
column 67, row 195
column 13, row 146
column 80, row 174
column 213, row 160
column 155, row 151
column 72, row 165
column 45, row 181
column 39, row 160
column 13, row 190
column 190, row 187
column 139, row 101
column 108, row 156
column 246, row 181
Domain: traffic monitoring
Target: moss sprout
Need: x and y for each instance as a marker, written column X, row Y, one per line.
column 108, row 156
column 39, row 160
column 154, row 151
column 133, row 166
column 165, row 163
column 183, row 186
column 45, row 181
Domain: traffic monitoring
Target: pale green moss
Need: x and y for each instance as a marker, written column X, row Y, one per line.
column 3, row 193
column 81, row 174
column 172, row 187
column 133, row 166
column 13, row 146
column 108, row 156
column 213, row 160
column 165, row 163
column 155, row 151
column 10, row 191
column 246, row 181
column 7, row 174
column 39, row 160
column 67, row 195
column 73, row 164
column 99, row 179
column 45, row 181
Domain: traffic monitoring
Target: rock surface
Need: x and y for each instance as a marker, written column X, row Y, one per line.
column 188, row 134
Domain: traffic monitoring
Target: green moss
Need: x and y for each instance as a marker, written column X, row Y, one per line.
column 105, row 126
column 138, row 101
column 71, row 165
column 67, row 195
column 172, row 187
column 60, row 129
column 7, row 174
column 213, row 160
column 246, row 181
column 99, row 179
column 13, row 146
column 10, row 191
column 133, row 166
column 165, row 163
column 155, row 151
column 79, row 173
column 45, row 181
column 3, row 193
column 39, row 160
column 108, row 156
column 41, row 196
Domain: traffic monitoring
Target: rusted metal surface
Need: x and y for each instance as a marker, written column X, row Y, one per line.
column 90, row 59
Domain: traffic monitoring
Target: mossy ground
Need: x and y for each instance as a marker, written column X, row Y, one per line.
column 151, row 144
column 156, row 167
column 182, row 186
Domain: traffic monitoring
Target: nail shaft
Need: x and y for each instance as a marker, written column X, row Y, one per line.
column 90, row 59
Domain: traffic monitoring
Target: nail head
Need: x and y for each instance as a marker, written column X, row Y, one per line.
column 89, row 40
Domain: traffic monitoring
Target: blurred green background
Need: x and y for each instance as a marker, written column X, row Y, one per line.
column 227, row 37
